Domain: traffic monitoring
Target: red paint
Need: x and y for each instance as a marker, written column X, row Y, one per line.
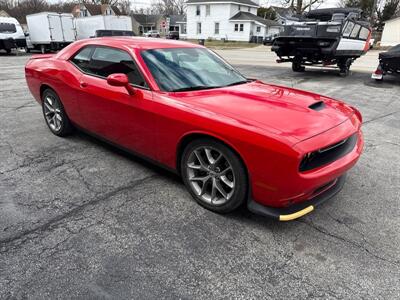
column 269, row 126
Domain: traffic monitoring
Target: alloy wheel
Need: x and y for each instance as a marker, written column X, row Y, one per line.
column 52, row 113
column 210, row 175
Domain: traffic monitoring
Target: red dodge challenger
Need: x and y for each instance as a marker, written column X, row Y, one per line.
column 233, row 140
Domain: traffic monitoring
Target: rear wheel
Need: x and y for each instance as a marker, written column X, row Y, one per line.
column 54, row 114
column 8, row 51
column 344, row 67
column 297, row 67
column 214, row 175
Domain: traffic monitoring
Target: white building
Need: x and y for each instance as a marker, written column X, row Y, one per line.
column 391, row 33
column 234, row 20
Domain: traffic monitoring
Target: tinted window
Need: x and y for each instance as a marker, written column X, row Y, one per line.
column 82, row 59
column 7, row 28
column 178, row 69
column 106, row 61
column 395, row 49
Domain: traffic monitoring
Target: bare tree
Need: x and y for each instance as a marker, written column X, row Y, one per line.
column 169, row 7
column 301, row 6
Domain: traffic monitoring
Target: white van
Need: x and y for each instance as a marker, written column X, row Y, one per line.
column 11, row 34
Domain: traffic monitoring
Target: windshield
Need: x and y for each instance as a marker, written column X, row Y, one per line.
column 395, row 48
column 7, row 28
column 185, row 69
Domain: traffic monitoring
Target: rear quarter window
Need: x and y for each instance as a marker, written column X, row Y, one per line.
column 82, row 58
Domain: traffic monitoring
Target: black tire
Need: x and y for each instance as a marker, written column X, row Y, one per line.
column 65, row 126
column 8, row 51
column 297, row 67
column 239, row 172
column 344, row 67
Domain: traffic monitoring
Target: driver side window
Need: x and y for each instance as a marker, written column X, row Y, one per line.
column 104, row 61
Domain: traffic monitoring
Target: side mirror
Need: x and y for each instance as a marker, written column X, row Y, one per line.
column 119, row 79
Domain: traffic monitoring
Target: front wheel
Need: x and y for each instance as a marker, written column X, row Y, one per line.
column 54, row 114
column 214, row 175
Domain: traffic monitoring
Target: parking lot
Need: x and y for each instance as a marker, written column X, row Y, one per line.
column 80, row 219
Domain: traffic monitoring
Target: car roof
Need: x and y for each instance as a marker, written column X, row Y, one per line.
column 130, row 42
column 140, row 42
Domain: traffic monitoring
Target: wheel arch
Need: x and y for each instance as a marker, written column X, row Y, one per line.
column 190, row 137
column 43, row 87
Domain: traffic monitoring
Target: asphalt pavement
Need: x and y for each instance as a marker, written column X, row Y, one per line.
column 80, row 219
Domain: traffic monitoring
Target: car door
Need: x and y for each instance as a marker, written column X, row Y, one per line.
column 111, row 112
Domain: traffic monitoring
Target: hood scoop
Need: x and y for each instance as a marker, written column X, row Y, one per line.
column 320, row 105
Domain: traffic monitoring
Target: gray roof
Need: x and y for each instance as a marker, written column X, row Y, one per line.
column 242, row 15
column 244, row 2
column 176, row 18
column 146, row 19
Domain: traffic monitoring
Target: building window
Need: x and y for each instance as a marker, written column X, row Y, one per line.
column 184, row 29
column 258, row 28
column 240, row 7
column 236, row 27
column 199, row 28
column 197, row 10
column 216, row 29
column 248, row 9
column 207, row 9
column 241, row 27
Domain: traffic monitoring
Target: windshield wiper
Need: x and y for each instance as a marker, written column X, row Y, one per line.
column 195, row 88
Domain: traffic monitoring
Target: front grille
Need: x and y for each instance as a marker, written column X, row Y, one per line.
column 328, row 154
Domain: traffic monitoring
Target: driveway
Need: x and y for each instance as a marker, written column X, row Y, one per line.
column 80, row 219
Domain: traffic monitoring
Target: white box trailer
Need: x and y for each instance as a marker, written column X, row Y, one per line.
column 50, row 30
column 86, row 27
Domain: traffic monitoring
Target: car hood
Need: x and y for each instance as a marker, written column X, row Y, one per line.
column 284, row 111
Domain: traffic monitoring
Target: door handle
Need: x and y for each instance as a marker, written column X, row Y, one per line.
column 84, row 84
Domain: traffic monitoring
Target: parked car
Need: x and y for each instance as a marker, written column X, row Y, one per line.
column 152, row 33
column 49, row 31
column 104, row 32
column 233, row 140
column 11, row 34
column 173, row 35
column 269, row 40
column 389, row 63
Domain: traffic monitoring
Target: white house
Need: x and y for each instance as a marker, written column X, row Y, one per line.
column 391, row 33
column 234, row 20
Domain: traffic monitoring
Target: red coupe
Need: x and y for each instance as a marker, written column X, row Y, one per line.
column 233, row 140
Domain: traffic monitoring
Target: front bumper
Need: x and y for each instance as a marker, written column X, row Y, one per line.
column 11, row 43
column 298, row 210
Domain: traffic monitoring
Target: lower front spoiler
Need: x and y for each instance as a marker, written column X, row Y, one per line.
column 297, row 210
